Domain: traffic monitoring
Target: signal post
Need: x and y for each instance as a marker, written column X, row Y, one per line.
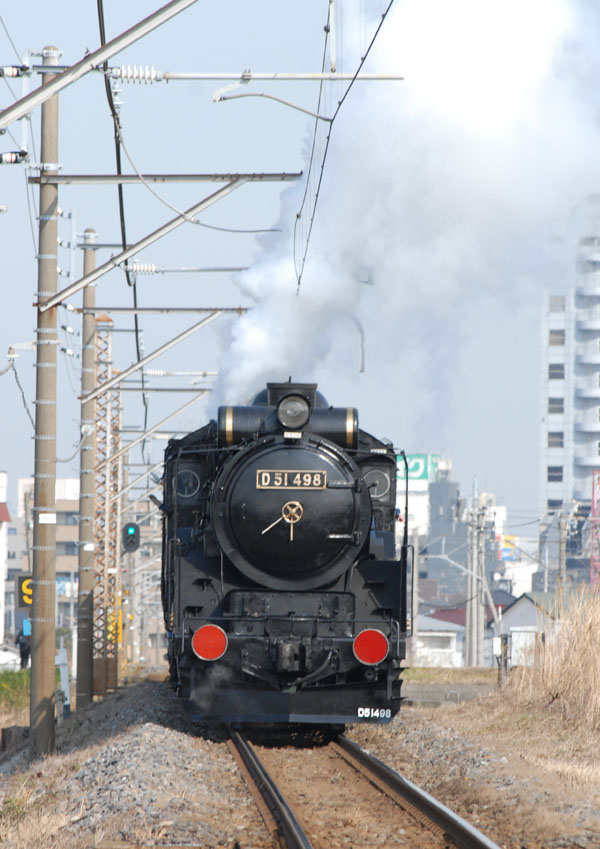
column 85, row 608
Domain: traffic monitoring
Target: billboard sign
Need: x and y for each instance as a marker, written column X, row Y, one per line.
column 507, row 547
column 421, row 467
column 24, row 594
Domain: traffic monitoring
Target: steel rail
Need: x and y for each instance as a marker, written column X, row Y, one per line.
column 287, row 824
column 461, row 832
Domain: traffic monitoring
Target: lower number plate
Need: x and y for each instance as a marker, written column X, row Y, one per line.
column 374, row 713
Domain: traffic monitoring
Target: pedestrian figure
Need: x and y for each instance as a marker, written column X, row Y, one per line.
column 23, row 641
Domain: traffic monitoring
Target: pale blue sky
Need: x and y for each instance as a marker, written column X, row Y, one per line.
column 448, row 192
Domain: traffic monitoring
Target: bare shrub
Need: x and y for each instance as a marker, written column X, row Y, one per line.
column 564, row 667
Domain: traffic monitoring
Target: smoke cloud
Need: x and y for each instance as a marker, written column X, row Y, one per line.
column 441, row 198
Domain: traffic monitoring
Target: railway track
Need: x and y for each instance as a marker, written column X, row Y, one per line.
column 342, row 793
column 276, row 812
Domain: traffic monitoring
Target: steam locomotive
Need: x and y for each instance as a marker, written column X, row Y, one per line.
column 283, row 598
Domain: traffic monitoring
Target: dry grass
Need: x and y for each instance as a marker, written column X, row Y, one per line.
column 565, row 668
column 446, row 675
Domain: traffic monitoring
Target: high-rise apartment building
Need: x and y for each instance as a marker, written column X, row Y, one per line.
column 570, row 420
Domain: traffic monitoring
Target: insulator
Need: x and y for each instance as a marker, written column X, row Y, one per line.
column 142, row 267
column 11, row 157
column 13, row 70
column 137, row 74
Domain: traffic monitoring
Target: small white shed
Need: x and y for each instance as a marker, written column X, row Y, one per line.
column 437, row 643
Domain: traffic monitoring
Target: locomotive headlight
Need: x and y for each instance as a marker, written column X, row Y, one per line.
column 293, row 411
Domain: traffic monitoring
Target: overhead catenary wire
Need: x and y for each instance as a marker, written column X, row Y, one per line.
column 130, row 282
column 5, row 28
column 11, row 367
column 31, row 141
column 189, row 218
column 299, row 271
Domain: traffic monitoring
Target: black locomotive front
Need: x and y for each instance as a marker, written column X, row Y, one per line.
column 282, row 594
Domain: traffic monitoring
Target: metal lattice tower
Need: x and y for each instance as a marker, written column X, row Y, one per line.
column 106, row 518
column 595, row 529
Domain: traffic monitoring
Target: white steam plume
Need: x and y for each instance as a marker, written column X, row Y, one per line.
column 444, row 192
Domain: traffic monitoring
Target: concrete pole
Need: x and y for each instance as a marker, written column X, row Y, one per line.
column 43, row 637
column 480, row 600
column 87, row 488
column 470, row 591
column 562, row 548
column 414, row 612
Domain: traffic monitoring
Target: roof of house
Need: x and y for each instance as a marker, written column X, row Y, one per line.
column 544, row 601
column 552, row 604
column 502, row 598
column 457, row 615
column 428, row 623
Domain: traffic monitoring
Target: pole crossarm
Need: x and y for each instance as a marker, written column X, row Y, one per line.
column 147, row 433
column 133, row 483
column 118, row 378
column 115, row 261
column 145, row 389
column 145, row 497
column 149, row 562
column 150, row 310
column 150, row 74
column 144, row 73
column 140, row 179
column 92, row 61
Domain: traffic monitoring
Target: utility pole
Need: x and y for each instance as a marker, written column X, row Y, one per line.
column 562, row 548
column 480, row 602
column 87, row 487
column 471, row 590
column 475, row 607
column 43, row 638
column 414, row 612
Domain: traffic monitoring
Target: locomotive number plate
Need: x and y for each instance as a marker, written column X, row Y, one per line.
column 290, row 479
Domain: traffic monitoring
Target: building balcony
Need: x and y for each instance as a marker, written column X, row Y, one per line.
column 588, row 460
column 587, row 422
column 589, row 287
column 588, row 354
column 588, row 318
column 582, row 491
column 588, row 387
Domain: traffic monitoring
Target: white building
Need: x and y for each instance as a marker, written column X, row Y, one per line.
column 570, row 421
column 437, row 643
column 4, row 520
column 422, row 469
column 17, row 559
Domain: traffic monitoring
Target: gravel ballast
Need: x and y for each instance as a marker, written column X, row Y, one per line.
column 133, row 769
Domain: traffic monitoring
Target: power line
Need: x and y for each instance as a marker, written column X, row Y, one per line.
column 117, row 130
column 300, row 272
column 11, row 366
column 9, row 38
column 188, row 218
